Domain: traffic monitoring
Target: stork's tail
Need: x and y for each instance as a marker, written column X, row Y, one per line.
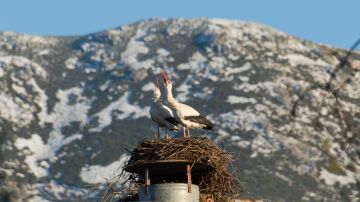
column 208, row 125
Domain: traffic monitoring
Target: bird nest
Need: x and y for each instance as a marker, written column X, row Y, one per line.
column 218, row 180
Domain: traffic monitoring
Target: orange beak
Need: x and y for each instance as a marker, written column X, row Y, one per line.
column 165, row 77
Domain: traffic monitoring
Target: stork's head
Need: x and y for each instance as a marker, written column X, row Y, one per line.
column 157, row 92
column 167, row 82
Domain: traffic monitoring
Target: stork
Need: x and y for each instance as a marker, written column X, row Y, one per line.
column 161, row 114
column 184, row 114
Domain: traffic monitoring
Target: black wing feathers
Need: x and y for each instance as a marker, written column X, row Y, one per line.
column 172, row 120
column 201, row 120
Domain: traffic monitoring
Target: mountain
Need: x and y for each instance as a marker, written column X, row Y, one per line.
column 71, row 106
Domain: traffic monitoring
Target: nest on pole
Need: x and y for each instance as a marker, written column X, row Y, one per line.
column 218, row 180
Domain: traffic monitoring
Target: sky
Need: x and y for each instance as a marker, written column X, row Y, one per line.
column 332, row 22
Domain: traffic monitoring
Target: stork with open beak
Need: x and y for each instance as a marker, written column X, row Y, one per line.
column 161, row 114
column 184, row 114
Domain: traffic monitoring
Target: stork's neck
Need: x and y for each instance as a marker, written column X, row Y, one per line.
column 156, row 98
column 170, row 98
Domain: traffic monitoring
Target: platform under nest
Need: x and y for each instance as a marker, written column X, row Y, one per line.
column 218, row 179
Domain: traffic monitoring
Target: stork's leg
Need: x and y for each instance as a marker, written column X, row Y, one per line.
column 158, row 134
column 184, row 130
column 187, row 131
column 167, row 135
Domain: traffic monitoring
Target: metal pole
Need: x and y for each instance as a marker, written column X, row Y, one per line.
column 188, row 173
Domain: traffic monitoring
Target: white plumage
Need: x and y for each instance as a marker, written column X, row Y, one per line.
column 184, row 114
column 161, row 114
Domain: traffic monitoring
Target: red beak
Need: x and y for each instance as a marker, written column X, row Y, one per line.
column 157, row 82
column 165, row 77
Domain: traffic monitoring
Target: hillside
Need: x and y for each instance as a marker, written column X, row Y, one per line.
column 70, row 106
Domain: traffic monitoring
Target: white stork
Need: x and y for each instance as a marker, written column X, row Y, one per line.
column 184, row 114
column 161, row 114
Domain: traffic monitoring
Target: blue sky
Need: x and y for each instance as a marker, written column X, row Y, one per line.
column 332, row 22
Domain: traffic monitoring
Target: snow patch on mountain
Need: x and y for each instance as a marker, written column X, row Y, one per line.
column 196, row 60
column 163, row 52
column 331, row 178
column 148, row 87
column 20, row 108
column 124, row 110
column 16, row 111
column 71, row 62
column 38, row 152
column 53, row 191
column 236, row 70
column 99, row 174
column 297, row 60
column 135, row 48
column 71, row 107
column 22, row 62
column 242, row 100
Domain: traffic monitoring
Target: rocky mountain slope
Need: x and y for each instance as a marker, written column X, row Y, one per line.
column 70, row 106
